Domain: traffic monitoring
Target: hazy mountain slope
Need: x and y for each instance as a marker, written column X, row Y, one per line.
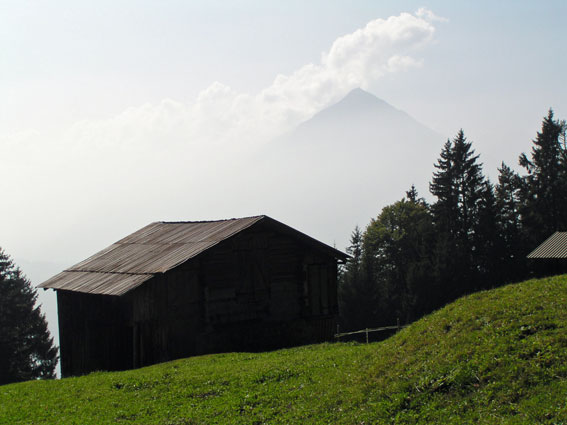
column 350, row 159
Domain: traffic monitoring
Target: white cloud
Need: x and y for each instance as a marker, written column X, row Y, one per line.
column 354, row 60
column 220, row 114
column 180, row 155
column 422, row 12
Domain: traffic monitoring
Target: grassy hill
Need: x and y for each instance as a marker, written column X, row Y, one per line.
column 494, row 357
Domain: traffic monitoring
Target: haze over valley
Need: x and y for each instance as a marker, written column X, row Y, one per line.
column 113, row 116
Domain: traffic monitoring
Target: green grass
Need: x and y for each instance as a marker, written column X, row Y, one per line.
column 496, row 357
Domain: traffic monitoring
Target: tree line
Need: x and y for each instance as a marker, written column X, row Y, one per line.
column 416, row 256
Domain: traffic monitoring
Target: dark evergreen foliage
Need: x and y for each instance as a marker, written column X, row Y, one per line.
column 397, row 241
column 487, row 240
column 387, row 277
column 512, row 249
column 458, row 185
column 357, row 298
column 414, row 258
column 543, row 189
column 462, row 217
column 26, row 347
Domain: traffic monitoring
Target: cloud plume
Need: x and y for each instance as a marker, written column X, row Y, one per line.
column 383, row 46
column 158, row 151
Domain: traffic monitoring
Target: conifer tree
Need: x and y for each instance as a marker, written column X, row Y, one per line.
column 543, row 189
column 487, row 241
column 511, row 254
column 350, row 282
column 358, row 299
column 26, row 347
column 459, row 186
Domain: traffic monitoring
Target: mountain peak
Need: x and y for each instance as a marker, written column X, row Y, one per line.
column 361, row 117
column 356, row 103
column 358, row 93
column 362, row 98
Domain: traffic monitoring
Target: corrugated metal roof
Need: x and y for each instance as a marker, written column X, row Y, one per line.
column 553, row 247
column 156, row 248
column 96, row 283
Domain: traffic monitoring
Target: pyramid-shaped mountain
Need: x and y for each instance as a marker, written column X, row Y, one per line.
column 361, row 118
column 340, row 167
column 364, row 133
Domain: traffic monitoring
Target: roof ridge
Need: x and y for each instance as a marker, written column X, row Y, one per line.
column 210, row 221
column 163, row 243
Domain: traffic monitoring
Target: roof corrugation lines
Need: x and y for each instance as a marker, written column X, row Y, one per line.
column 96, row 283
column 156, row 248
column 554, row 247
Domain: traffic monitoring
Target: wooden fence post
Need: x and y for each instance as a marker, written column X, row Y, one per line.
column 367, row 335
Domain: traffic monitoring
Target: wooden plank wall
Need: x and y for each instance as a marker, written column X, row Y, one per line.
column 93, row 333
column 258, row 290
column 274, row 292
column 166, row 316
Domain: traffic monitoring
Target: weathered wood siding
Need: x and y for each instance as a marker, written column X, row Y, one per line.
column 165, row 316
column 93, row 333
column 258, row 290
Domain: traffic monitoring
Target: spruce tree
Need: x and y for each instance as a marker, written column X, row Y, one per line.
column 459, row 186
column 26, row 347
column 487, row 241
column 511, row 254
column 543, row 189
column 358, row 298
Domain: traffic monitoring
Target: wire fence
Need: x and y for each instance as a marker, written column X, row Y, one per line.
column 366, row 331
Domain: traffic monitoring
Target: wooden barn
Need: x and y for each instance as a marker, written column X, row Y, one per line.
column 176, row 289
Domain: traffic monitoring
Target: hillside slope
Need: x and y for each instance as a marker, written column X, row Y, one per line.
column 494, row 357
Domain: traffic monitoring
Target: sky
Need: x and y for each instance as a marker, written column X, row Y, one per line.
column 114, row 114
